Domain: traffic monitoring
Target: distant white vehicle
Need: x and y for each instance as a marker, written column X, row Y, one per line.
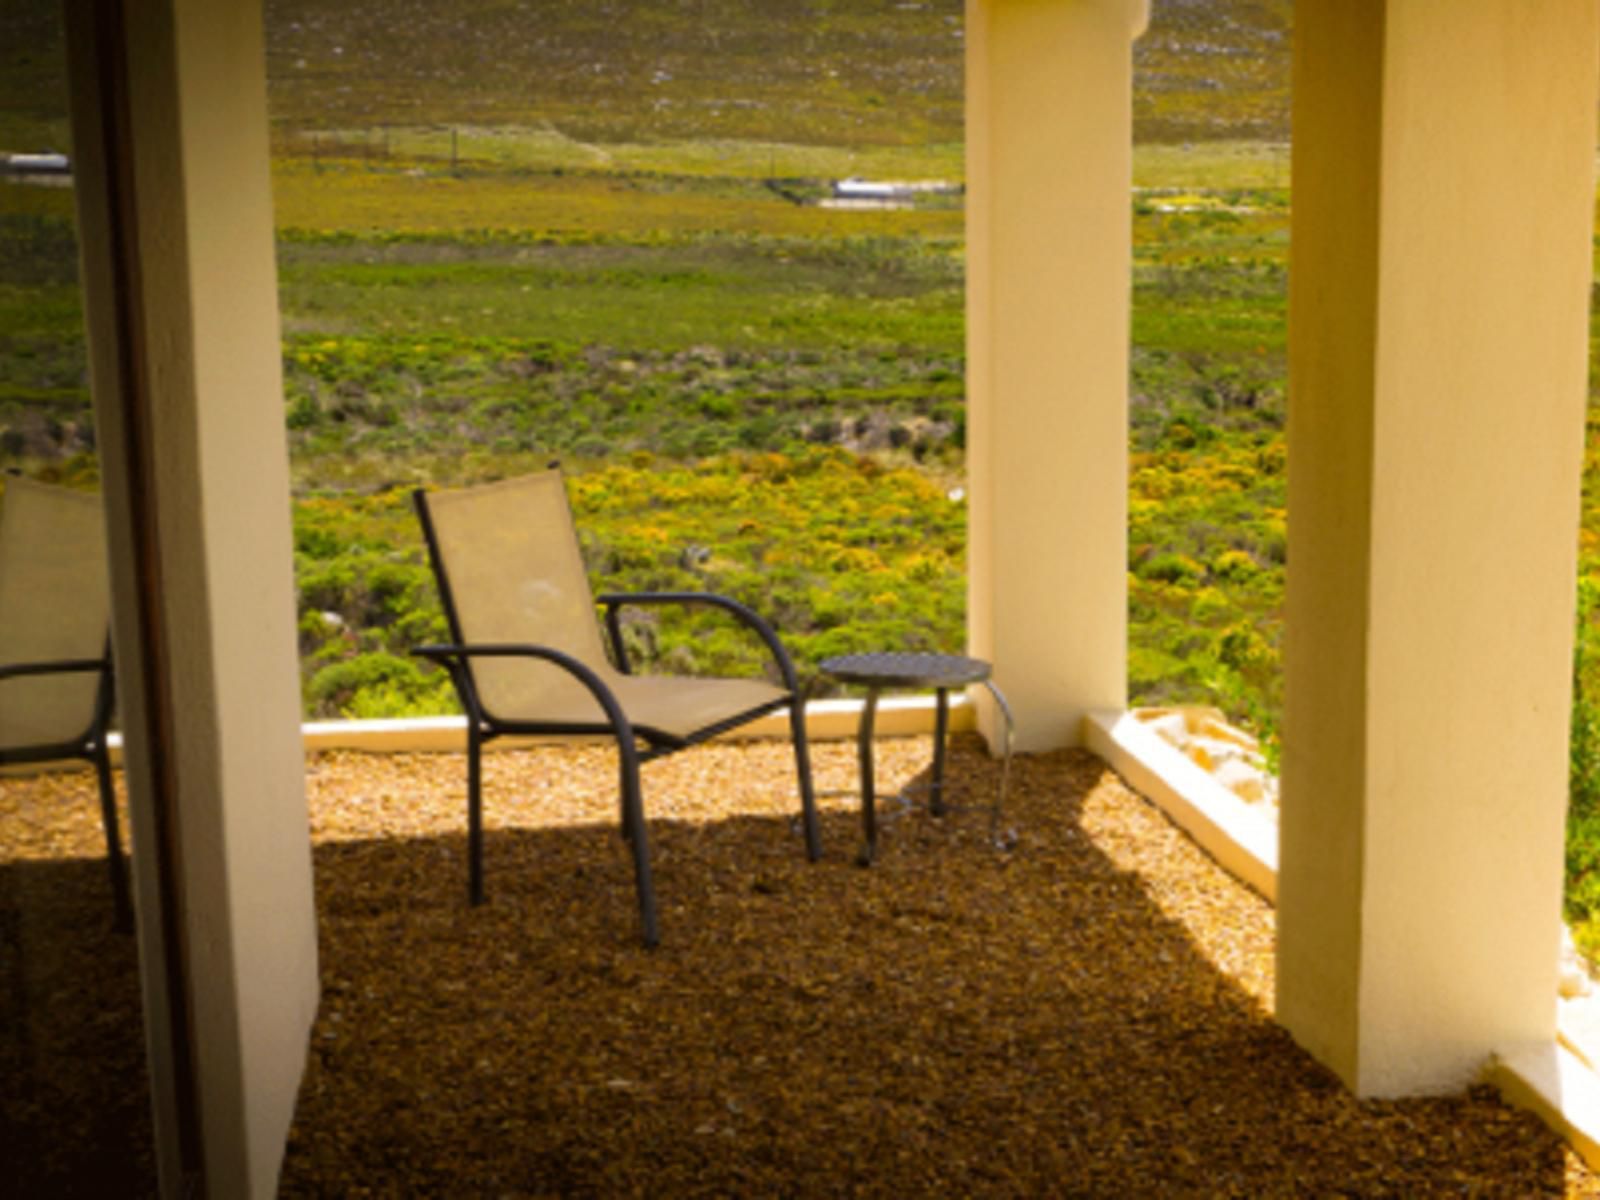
column 36, row 164
column 867, row 189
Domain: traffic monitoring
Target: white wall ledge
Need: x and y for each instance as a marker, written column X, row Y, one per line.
column 1557, row 1086
column 826, row 720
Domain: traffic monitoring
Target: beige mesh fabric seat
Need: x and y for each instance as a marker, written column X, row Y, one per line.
column 55, row 664
column 528, row 656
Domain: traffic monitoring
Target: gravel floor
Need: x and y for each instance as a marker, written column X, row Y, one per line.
column 74, row 1119
column 1084, row 1015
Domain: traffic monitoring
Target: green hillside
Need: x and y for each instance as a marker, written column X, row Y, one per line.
column 1213, row 70
column 811, row 72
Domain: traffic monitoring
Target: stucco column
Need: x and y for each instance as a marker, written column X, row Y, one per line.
column 1443, row 214
column 175, row 216
column 1049, row 166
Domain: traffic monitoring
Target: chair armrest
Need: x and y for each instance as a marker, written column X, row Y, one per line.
column 455, row 659
column 61, row 666
column 615, row 602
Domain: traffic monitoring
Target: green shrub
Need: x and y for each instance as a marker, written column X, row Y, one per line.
column 344, row 686
column 390, row 699
column 1171, row 568
column 1243, row 649
column 327, row 585
column 303, row 412
column 1234, row 566
column 1583, row 800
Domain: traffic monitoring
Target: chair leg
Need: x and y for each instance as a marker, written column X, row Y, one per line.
column 808, row 794
column 941, row 724
column 869, row 799
column 121, row 901
column 630, row 819
column 638, row 838
column 474, row 814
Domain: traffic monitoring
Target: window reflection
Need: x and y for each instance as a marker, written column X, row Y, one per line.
column 74, row 1092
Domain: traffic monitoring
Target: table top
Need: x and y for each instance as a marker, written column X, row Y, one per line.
column 893, row 668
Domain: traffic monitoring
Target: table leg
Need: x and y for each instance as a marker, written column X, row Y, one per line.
column 941, row 723
column 1007, row 840
column 869, row 813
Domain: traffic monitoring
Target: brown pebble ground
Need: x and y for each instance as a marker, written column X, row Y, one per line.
column 1085, row 1014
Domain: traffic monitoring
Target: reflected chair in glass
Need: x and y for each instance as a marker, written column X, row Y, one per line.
column 55, row 658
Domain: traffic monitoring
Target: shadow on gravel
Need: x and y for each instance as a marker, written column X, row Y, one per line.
column 74, row 1095
column 956, row 1020
column 953, row 1021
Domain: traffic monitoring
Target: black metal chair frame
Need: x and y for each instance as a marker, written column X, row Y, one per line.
column 90, row 746
column 483, row 726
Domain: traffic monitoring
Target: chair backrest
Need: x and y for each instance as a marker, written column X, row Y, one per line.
column 509, row 569
column 55, row 603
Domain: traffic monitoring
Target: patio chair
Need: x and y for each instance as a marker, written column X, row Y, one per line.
column 528, row 657
column 55, row 656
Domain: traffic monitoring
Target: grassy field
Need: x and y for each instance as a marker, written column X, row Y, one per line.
column 415, row 357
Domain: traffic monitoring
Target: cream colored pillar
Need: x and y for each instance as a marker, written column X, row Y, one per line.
column 175, row 213
column 1443, row 211
column 1049, row 243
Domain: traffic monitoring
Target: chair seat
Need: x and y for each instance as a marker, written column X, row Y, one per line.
column 55, row 660
column 677, row 706
column 46, row 710
column 681, row 707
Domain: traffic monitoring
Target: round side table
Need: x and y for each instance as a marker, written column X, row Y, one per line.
column 894, row 669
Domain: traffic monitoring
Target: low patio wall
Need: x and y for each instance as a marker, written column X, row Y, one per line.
column 826, row 720
column 897, row 716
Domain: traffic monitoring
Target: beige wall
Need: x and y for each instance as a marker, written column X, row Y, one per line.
column 206, row 346
column 1049, row 165
column 1444, row 191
